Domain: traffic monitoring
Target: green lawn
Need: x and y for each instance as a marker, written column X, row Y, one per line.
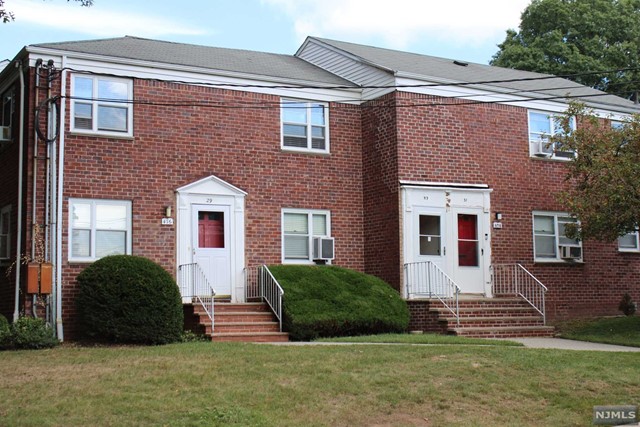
column 612, row 330
column 421, row 339
column 204, row 384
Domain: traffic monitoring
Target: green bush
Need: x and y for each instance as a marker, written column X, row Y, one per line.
column 5, row 333
column 32, row 333
column 329, row 301
column 627, row 305
column 129, row 299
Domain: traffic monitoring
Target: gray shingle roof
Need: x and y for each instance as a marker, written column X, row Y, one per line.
column 441, row 68
column 214, row 58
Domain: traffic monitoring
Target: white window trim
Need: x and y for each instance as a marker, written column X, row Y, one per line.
column 557, row 259
column 533, row 143
column 6, row 209
column 309, row 213
column 92, row 248
column 95, row 102
column 10, row 93
column 631, row 250
column 309, row 148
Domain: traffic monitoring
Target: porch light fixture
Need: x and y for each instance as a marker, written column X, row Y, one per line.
column 498, row 216
column 167, row 211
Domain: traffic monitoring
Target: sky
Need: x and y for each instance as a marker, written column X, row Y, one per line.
column 468, row 30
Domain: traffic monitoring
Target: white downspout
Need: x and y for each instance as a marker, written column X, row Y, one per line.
column 16, row 311
column 59, row 221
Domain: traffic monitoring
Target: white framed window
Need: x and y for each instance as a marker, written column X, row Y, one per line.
column 299, row 227
column 98, row 228
column 305, row 126
column 542, row 126
column 5, row 232
column 6, row 115
column 550, row 243
column 101, row 105
column 629, row 242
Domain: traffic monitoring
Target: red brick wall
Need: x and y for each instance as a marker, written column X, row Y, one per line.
column 174, row 146
column 381, row 195
column 9, row 165
column 488, row 144
column 373, row 147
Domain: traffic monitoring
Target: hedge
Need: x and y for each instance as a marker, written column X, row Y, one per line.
column 329, row 301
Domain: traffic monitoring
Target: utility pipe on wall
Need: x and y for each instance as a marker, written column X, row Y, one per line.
column 16, row 312
column 58, row 257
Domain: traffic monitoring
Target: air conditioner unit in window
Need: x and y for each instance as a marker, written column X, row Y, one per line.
column 323, row 248
column 5, row 133
column 541, row 149
column 570, row 252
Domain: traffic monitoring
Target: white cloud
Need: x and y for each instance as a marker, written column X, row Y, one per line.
column 401, row 22
column 95, row 20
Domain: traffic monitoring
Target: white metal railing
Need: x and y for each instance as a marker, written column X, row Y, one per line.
column 517, row 280
column 426, row 280
column 260, row 284
column 194, row 284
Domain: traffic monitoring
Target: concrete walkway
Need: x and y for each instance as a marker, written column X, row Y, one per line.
column 563, row 344
column 550, row 343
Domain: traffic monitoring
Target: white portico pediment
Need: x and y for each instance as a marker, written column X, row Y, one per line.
column 212, row 185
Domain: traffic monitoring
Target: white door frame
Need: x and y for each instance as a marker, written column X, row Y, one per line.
column 213, row 191
column 451, row 199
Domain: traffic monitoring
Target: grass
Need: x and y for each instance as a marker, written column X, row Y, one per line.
column 612, row 330
column 205, row 384
column 421, row 339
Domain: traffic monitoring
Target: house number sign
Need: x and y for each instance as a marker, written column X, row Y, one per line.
column 167, row 221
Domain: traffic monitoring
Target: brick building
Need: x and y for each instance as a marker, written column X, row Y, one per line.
column 227, row 159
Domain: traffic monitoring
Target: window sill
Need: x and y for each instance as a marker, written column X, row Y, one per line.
column 304, row 151
column 550, row 159
column 102, row 135
column 82, row 261
column 629, row 251
column 558, row 261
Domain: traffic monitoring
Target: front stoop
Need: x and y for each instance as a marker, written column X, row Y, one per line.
column 498, row 317
column 246, row 322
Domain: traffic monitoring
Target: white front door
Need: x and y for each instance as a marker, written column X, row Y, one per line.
column 468, row 250
column 212, row 245
column 449, row 228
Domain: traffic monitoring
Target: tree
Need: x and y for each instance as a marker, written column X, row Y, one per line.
column 604, row 177
column 7, row 16
column 564, row 37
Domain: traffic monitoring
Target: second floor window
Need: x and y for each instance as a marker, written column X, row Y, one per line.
column 304, row 126
column 101, row 105
column 542, row 126
column 6, row 115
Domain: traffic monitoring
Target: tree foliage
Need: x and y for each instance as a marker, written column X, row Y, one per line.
column 564, row 37
column 8, row 16
column 604, row 176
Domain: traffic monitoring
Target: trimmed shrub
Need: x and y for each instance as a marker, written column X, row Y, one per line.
column 129, row 299
column 32, row 333
column 329, row 301
column 5, row 333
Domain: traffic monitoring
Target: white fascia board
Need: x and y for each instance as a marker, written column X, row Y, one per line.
column 444, row 185
column 194, row 75
column 493, row 94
